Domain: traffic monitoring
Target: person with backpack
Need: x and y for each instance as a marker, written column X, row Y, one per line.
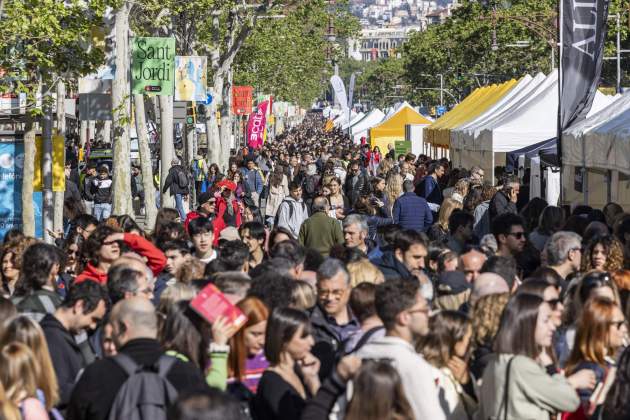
column 292, row 212
column 140, row 382
column 311, row 184
column 177, row 182
column 199, row 171
column 101, row 190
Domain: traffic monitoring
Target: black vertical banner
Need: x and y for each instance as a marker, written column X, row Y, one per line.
column 583, row 29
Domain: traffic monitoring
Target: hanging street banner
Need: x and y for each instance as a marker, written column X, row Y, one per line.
column 256, row 126
column 242, row 100
column 582, row 38
column 152, row 61
column 191, row 78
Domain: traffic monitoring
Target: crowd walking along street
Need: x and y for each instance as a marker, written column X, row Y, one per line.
column 325, row 209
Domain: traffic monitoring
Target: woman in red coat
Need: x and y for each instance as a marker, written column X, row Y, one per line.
column 373, row 159
column 229, row 209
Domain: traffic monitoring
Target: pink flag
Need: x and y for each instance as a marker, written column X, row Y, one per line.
column 256, row 126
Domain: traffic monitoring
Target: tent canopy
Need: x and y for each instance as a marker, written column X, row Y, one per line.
column 393, row 128
column 360, row 129
column 511, row 161
column 475, row 104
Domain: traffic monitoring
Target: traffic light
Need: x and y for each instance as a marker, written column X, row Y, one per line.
column 191, row 113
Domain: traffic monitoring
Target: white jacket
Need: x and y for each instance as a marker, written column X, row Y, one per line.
column 291, row 215
column 416, row 374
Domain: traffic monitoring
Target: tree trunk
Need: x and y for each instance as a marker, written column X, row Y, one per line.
column 28, row 213
column 189, row 155
column 145, row 162
column 226, row 121
column 212, row 128
column 167, row 152
column 58, row 196
column 121, row 104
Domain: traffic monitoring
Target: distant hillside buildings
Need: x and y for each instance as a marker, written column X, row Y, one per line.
column 387, row 24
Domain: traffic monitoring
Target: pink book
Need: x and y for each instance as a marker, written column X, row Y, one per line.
column 210, row 303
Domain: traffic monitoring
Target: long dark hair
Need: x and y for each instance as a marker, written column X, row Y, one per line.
column 616, row 404
column 37, row 262
column 517, row 330
column 185, row 332
column 281, row 327
column 378, row 394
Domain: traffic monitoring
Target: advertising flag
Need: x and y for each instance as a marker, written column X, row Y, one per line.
column 191, row 78
column 256, row 126
column 152, row 65
column 583, row 31
column 340, row 91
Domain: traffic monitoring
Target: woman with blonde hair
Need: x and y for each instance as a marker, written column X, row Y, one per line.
column 439, row 230
column 393, row 190
column 364, row 271
column 304, row 296
column 18, row 374
column 26, row 331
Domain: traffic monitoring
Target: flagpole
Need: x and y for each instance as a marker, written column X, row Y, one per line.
column 559, row 122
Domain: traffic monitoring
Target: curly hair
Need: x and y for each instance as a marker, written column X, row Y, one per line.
column 393, row 188
column 16, row 248
column 486, row 317
column 613, row 249
column 91, row 246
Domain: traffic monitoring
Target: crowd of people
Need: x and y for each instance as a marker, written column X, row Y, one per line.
column 374, row 287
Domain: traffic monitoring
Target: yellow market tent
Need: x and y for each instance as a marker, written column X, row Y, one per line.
column 393, row 129
column 478, row 102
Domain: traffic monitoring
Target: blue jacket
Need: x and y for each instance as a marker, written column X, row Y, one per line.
column 253, row 181
column 391, row 267
column 430, row 190
column 412, row 212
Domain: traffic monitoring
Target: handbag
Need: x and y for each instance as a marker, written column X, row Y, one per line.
column 506, row 400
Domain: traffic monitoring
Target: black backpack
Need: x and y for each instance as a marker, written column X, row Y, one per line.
column 146, row 394
column 182, row 179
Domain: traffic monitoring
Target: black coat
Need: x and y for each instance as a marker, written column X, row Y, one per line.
column 171, row 181
column 391, row 267
column 95, row 392
column 362, row 186
column 65, row 354
column 501, row 204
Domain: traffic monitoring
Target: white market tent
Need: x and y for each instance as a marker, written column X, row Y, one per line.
column 355, row 119
column 527, row 117
column 601, row 144
column 362, row 127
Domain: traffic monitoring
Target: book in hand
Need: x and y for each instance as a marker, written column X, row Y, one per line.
column 211, row 304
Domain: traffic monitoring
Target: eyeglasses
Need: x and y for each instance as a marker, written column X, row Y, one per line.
column 517, row 235
column 423, row 311
column 554, row 302
column 324, row 294
column 618, row 324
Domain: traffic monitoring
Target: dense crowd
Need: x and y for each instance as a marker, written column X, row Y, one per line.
column 375, row 286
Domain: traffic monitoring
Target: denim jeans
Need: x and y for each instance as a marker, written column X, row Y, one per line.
column 179, row 204
column 102, row 211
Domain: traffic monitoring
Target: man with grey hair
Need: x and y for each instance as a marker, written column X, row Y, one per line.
column 134, row 332
column 355, row 232
column 320, row 231
column 177, row 182
column 563, row 253
column 332, row 319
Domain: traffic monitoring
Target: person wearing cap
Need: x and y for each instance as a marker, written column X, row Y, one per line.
column 177, row 182
column 452, row 290
column 206, row 208
column 101, row 189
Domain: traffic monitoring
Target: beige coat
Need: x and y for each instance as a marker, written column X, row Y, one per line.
column 532, row 393
column 275, row 197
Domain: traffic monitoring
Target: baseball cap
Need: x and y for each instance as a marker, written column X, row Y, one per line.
column 205, row 197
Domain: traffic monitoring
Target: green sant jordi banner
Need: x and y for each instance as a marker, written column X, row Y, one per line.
column 152, row 65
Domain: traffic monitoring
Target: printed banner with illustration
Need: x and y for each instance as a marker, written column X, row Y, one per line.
column 11, row 170
column 191, row 78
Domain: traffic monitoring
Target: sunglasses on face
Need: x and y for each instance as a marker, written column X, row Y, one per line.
column 554, row 302
column 517, row 235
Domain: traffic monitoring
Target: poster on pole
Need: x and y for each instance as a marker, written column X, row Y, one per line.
column 152, row 61
column 256, row 126
column 11, row 171
column 191, row 78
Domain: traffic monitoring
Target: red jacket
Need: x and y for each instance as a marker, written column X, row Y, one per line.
column 156, row 260
column 219, row 223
